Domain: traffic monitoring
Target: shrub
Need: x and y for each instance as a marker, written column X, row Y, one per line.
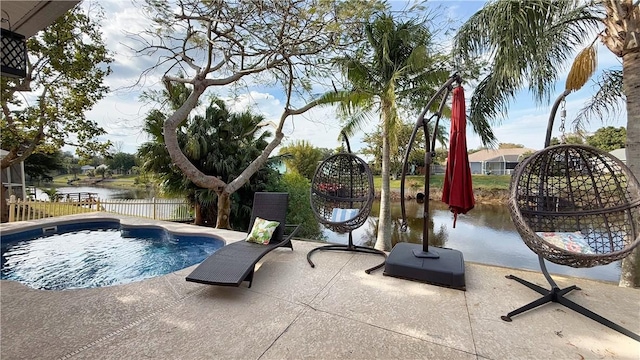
column 299, row 211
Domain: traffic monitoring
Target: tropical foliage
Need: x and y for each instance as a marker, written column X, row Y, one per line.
column 219, row 142
column 299, row 211
column 39, row 167
column 373, row 148
column 303, row 157
column 608, row 138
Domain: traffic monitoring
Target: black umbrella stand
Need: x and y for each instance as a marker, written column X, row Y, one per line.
column 435, row 265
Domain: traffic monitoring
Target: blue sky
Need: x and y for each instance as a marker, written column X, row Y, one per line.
column 121, row 113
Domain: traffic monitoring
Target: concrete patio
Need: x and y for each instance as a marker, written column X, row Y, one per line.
column 334, row 311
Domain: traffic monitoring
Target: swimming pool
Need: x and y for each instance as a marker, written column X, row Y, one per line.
column 88, row 254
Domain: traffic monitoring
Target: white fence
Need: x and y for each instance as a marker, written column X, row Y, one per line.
column 159, row 209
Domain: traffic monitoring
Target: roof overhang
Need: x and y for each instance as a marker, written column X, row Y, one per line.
column 28, row 17
column 20, row 21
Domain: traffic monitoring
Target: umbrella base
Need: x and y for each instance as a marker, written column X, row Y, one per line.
column 445, row 270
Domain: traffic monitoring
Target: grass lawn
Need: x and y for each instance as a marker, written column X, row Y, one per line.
column 116, row 181
column 486, row 182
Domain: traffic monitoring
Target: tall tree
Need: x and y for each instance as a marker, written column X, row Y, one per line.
column 531, row 42
column 302, row 157
column 66, row 68
column 39, row 167
column 121, row 162
column 396, row 63
column 220, row 43
column 608, row 138
column 374, row 143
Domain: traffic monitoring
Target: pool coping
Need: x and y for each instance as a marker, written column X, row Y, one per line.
column 227, row 236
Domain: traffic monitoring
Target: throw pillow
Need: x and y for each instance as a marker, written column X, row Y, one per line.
column 342, row 215
column 570, row 241
column 262, row 231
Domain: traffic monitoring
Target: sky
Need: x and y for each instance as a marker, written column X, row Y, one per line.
column 121, row 113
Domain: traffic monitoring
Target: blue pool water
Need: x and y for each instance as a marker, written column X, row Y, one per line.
column 97, row 254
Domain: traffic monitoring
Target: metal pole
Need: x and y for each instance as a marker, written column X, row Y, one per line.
column 445, row 89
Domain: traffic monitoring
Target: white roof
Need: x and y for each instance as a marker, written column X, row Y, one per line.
column 619, row 153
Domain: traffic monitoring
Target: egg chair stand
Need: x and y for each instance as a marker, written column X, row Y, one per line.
column 574, row 205
column 342, row 193
column 349, row 247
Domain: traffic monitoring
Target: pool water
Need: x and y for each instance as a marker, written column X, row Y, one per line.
column 97, row 257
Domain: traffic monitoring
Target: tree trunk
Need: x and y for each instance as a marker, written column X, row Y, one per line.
column 224, row 210
column 383, row 240
column 630, row 270
column 198, row 219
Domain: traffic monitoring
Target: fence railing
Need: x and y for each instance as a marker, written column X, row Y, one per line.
column 158, row 209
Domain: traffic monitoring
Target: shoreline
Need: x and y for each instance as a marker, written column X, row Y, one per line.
column 482, row 196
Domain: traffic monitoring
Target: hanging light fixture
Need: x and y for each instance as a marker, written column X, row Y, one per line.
column 14, row 54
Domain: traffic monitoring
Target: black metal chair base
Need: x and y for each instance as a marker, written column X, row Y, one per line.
column 350, row 247
column 557, row 295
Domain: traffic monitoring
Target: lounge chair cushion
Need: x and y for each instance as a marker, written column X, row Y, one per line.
column 570, row 241
column 262, row 231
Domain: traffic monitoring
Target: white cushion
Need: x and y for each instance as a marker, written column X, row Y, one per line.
column 342, row 215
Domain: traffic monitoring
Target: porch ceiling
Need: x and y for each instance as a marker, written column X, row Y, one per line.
column 29, row 17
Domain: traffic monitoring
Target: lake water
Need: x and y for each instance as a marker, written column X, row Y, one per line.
column 485, row 235
column 101, row 192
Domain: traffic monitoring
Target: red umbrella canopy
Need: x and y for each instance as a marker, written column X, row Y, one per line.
column 458, row 189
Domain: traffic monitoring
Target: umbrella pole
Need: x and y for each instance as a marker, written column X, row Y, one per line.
column 428, row 159
column 440, row 266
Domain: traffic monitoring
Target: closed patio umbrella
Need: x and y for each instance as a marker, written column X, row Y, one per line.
column 458, row 189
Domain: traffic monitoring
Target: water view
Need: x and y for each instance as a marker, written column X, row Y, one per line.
column 485, row 235
column 100, row 192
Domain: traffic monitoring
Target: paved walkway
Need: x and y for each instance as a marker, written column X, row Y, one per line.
column 334, row 311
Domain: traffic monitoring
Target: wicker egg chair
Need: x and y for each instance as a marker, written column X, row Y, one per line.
column 578, row 206
column 342, row 193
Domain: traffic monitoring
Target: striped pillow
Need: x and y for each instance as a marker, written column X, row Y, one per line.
column 342, row 215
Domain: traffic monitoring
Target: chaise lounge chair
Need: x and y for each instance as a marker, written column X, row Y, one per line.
column 234, row 263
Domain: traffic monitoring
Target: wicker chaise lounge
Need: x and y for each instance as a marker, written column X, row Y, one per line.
column 234, row 263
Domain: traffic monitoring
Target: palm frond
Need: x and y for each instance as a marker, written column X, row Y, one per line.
column 608, row 100
column 355, row 121
column 527, row 42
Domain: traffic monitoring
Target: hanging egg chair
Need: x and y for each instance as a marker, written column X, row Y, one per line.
column 343, row 181
column 342, row 193
column 574, row 205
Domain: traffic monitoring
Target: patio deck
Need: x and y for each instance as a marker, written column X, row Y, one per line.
column 334, row 311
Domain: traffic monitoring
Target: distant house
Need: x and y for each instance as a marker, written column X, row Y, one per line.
column 620, row 154
column 497, row 161
column 86, row 168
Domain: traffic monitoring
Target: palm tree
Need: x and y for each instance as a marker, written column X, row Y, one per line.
column 393, row 66
column 531, row 42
